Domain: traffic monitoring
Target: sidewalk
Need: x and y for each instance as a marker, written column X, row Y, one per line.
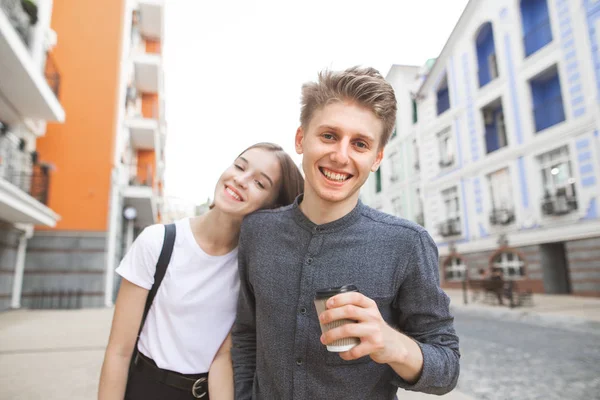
column 57, row 355
column 566, row 311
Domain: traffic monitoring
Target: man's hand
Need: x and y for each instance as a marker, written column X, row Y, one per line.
column 378, row 340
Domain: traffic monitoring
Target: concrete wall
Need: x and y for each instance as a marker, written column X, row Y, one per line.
column 9, row 238
column 61, row 261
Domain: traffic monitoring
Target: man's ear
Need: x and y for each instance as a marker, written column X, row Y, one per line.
column 377, row 161
column 299, row 140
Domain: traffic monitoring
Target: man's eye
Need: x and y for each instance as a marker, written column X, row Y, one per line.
column 327, row 136
column 362, row 145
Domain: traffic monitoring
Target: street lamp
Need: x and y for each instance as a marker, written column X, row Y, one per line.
column 130, row 214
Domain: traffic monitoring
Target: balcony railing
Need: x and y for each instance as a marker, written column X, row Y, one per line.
column 22, row 16
column 501, row 216
column 558, row 204
column 446, row 162
column 35, row 183
column 549, row 113
column 450, row 227
column 537, row 37
column 52, row 75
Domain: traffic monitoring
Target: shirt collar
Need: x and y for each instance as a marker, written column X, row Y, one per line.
column 332, row 226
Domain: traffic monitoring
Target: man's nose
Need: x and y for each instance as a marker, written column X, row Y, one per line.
column 340, row 154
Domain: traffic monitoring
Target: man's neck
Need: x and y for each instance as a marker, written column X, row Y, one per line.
column 321, row 211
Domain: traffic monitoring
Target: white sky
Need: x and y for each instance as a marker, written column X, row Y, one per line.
column 234, row 69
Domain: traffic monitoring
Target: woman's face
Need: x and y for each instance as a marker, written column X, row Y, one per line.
column 250, row 183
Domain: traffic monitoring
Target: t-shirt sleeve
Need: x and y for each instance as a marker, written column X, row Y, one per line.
column 139, row 264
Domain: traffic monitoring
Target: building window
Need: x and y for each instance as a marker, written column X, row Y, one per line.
column 495, row 128
column 443, row 97
column 548, row 107
column 537, row 31
column 394, row 167
column 502, row 212
column 451, row 225
column 455, row 269
column 486, row 54
column 378, row 180
column 446, row 148
column 510, row 263
column 415, row 115
column 397, row 206
column 558, row 182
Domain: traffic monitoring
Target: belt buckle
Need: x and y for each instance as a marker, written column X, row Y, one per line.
column 196, row 386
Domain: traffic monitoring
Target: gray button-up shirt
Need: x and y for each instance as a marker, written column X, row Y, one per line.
column 284, row 258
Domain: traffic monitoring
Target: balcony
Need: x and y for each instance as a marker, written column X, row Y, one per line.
column 549, row 113
column 446, row 162
column 26, row 94
column 143, row 131
column 24, row 196
column 502, row 216
column 147, row 68
column 558, row 204
column 539, row 36
column 450, row 227
column 151, row 18
column 140, row 194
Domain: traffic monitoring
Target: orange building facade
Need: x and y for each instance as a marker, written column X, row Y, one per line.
column 107, row 156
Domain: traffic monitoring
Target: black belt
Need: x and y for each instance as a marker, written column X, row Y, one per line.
column 197, row 385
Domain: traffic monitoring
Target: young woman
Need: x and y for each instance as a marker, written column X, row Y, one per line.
column 183, row 349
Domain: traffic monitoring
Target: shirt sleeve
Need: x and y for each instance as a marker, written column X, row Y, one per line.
column 424, row 315
column 139, row 264
column 243, row 351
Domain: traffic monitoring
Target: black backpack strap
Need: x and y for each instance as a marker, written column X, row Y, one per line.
column 161, row 269
column 159, row 274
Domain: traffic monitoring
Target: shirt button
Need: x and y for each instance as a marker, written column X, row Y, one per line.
column 298, row 361
column 309, row 260
column 303, row 310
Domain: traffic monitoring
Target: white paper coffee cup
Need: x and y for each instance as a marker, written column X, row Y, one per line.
column 321, row 297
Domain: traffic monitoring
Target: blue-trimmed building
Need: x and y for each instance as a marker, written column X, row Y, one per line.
column 509, row 149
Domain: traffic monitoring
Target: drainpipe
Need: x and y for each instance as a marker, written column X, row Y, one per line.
column 26, row 233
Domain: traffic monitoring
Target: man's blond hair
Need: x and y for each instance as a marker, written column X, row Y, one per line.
column 364, row 86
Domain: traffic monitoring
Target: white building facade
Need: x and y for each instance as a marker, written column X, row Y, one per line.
column 29, row 97
column 509, row 146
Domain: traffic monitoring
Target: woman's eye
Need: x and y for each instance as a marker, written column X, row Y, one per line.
column 238, row 167
column 260, row 185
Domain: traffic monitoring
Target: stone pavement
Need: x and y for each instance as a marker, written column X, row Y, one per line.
column 57, row 355
column 581, row 314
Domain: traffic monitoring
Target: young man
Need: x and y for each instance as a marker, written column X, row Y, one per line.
column 328, row 238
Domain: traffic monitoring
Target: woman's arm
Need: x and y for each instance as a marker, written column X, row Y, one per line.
column 220, row 375
column 129, row 309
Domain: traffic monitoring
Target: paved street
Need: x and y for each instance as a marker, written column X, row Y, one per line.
column 505, row 360
column 549, row 351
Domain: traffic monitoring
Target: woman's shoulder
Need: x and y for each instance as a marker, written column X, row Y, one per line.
column 152, row 236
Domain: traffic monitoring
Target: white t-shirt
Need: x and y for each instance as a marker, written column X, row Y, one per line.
column 194, row 308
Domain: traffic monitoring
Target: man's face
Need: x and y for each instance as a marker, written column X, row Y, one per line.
column 340, row 147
